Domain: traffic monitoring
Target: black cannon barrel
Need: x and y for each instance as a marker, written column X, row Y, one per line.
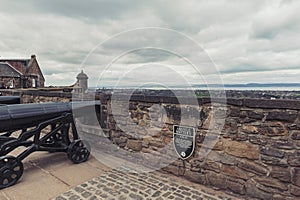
column 20, row 116
column 10, row 100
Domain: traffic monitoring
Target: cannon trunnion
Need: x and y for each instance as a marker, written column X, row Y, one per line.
column 38, row 127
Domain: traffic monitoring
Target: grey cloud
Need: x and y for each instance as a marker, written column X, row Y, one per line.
column 276, row 20
column 241, row 37
column 91, row 11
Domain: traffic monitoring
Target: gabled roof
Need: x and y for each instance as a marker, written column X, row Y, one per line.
column 22, row 65
column 19, row 64
column 6, row 70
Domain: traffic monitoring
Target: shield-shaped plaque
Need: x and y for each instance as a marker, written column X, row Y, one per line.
column 184, row 140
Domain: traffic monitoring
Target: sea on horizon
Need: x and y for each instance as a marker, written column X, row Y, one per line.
column 206, row 88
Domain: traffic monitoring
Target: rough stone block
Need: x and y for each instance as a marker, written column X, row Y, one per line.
column 258, row 139
column 196, row 177
column 237, row 186
column 222, row 158
column 253, row 191
column 250, row 129
column 294, row 160
column 295, row 135
column 171, row 169
column 268, row 182
column 233, row 171
column 156, row 143
column 295, row 190
column 282, row 197
column 274, row 161
column 255, row 114
column 296, row 176
column 283, row 144
column 241, row 149
column 217, row 180
column 286, row 116
column 252, row 167
column 121, row 140
column 234, row 112
column 135, row 145
column 281, row 173
column 267, row 103
column 234, row 101
column 269, row 151
column 274, row 129
column 211, row 165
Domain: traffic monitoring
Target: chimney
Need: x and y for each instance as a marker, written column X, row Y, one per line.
column 33, row 56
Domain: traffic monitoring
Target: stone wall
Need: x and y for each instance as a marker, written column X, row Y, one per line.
column 34, row 69
column 257, row 154
column 6, row 82
column 38, row 96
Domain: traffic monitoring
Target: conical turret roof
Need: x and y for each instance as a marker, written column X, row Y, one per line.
column 82, row 75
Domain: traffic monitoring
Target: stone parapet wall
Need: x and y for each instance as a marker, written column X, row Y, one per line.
column 38, row 96
column 257, row 154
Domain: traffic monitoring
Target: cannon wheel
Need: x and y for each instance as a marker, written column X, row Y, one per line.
column 78, row 151
column 11, row 170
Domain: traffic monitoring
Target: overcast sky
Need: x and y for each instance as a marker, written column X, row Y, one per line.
column 248, row 41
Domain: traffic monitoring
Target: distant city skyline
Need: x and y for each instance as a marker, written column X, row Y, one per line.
column 252, row 41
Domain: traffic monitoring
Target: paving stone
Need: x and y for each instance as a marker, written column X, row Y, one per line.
column 197, row 197
column 156, row 194
column 135, row 196
column 124, row 191
column 60, row 198
column 78, row 189
column 69, row 193
column 123, row 184
column 184, row 188
column 185, row 193
column 93, row 198
column 86, row 194
column 84, row 185
column 178, row 195
column 74, row 197
column 166, row 194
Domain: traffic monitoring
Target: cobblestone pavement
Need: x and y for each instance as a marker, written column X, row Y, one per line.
column 126, row 184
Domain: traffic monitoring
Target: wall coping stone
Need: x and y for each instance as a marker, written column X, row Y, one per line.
column 246, row 102
column 250, row 103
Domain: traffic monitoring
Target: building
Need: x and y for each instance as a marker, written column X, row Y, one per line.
column 20, row 73
column 81, row 84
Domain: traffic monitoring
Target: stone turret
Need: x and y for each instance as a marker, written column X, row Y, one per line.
column 82, row 81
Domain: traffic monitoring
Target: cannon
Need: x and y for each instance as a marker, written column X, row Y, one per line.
column 10, row 100
column 38, row 127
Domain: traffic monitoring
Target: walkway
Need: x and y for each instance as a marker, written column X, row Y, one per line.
column 124, row 183
column 52, row 176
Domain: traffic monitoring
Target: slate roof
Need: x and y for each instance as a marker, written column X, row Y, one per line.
column 22, row 65
column 6, row 70
column 82, row 75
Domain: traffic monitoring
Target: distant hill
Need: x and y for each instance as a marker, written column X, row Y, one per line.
column 238, row 86
column 251, row 85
